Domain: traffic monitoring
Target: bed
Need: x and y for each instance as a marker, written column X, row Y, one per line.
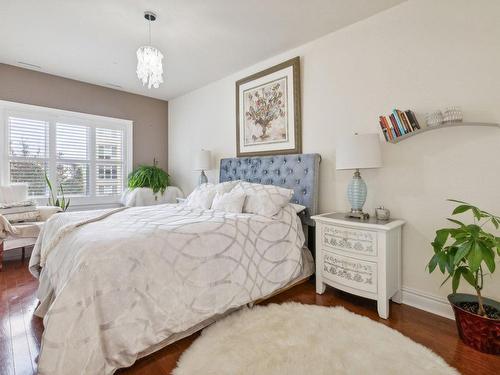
column 117, row 285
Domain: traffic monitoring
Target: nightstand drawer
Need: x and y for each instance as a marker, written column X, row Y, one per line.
column 352, row 240
column 355, row 273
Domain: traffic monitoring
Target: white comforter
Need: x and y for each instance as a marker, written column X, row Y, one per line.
column 113, row 286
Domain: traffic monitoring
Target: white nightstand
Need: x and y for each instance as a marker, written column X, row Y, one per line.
column 361, row 257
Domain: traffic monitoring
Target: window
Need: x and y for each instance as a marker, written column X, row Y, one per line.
column 73, row 159
column 28, row 152
column 109, row 155
column 86, row 156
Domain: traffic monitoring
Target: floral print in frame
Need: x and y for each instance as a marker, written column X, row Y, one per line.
column 268, row 111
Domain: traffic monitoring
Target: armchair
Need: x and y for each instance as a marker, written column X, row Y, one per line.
column 20, row 219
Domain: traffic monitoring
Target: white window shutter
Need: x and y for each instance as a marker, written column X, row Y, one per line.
column 28, row 153
column 109, row 161
column 87, row 156
column 73, row 159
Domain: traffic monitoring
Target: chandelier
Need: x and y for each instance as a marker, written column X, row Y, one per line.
column 149, row 65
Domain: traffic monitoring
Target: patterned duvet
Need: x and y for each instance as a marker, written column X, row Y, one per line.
column 112, row 288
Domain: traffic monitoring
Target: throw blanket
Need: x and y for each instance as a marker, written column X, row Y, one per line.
column 117, row 283
column 58, row 229
column 27, row 229
column 22, row 230
column 23, row 203
column 33, row 215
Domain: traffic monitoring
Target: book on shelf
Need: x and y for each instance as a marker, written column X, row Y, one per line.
column 404, row 121
column 393, row 126
column 398, row 123
column 384, row 130
column 390, row 129
column 413, row 119
column 396, row 126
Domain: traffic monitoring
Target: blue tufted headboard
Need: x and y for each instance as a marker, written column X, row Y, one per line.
column 299, row 172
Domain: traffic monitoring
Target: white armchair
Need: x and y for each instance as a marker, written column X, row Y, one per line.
column 15, row 206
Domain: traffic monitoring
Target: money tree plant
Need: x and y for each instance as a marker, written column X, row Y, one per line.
column 467, row 251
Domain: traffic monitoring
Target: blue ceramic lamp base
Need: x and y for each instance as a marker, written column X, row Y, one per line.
column 203, row 178
column 356, row 193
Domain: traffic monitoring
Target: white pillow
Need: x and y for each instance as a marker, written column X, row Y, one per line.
column 201, row 197
column 265, row 200
column 13, row 193
column 229, row 202
column 226, row 187
column 298, row 207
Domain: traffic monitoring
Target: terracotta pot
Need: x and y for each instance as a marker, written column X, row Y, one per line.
column 477, row 331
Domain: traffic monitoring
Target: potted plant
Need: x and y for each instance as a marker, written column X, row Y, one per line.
column 54, row 200
column 468, row 252
column 149, row 176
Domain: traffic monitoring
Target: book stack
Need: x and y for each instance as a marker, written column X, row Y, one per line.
column 398, row 123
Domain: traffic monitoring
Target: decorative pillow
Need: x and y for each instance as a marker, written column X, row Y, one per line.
column 229, row 202
column 265, row 200
column 298, row 207
column 226, row 187
column 201, row 197
column 13, row 193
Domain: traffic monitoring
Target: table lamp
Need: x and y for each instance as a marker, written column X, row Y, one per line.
column 357, row 152
column 202, row 162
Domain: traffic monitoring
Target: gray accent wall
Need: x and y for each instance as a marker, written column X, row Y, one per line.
column 150, row 116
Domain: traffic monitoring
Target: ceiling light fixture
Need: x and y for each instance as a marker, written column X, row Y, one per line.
column 149, row 65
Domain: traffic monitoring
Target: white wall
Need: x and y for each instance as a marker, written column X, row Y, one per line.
column 423, row 55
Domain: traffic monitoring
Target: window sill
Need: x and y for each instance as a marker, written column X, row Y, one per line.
column 88, row 207
column 84, row 204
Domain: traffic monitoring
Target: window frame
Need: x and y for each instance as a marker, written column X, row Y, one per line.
column 53, row 116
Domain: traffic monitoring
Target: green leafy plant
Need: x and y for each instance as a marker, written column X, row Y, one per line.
column 465, row 252
column 54, row 199
column 150, row 177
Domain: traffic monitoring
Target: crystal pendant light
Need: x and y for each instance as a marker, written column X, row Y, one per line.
column 149, row 65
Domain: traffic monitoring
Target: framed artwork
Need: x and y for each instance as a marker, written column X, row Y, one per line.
column 268, row 111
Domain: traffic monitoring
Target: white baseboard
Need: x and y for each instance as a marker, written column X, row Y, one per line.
column 427, row 302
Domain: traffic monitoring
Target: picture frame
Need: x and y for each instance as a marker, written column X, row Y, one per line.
column 268, row 111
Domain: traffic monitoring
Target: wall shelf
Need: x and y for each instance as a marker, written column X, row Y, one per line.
column 447, row 125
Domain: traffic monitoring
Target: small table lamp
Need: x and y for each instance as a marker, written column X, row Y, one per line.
column 358, row 152
column 202, row 162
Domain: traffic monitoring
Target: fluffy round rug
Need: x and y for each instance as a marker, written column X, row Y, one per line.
column 296, row 339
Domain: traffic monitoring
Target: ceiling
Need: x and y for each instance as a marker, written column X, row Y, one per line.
column 95, row 41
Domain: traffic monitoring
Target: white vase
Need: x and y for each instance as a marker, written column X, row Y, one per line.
column 434, row 118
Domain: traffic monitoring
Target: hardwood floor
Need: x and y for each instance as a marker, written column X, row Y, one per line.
column 20, row 331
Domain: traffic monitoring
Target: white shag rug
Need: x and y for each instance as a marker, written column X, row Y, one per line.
column 297, row 339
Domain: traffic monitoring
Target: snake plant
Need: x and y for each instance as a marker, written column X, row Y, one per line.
column 54, row 200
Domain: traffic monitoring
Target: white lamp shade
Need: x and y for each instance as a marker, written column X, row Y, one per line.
column 202, row 160
column 359, row 152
